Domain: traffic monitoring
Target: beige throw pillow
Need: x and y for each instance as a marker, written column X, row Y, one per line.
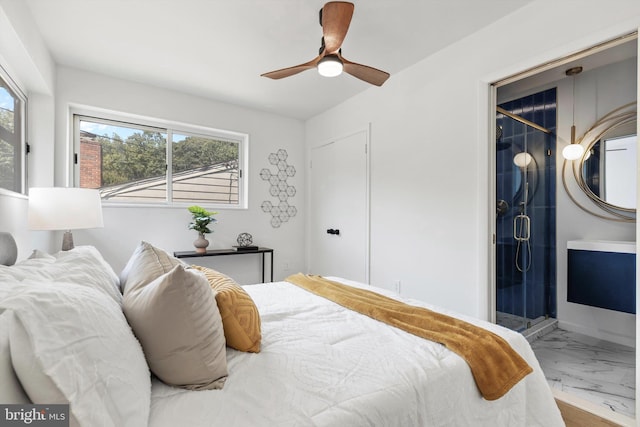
column 146, row 264
column 240, row 316
column 177, row 321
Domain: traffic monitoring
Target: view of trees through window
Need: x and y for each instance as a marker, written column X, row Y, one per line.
column 129, row 163
column 11, row 139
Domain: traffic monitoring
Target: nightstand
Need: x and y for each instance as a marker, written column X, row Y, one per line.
column 225, row 252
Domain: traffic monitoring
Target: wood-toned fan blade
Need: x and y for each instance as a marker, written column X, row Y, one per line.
column 286, row 72
column 366, row 73
column 336, row 17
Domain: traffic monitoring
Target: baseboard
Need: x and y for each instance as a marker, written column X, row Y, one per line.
column 596, row 333
column 578, row 412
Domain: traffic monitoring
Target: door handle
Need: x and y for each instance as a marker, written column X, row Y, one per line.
column 334, row 232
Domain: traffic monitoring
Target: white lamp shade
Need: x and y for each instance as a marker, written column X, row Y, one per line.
column 330, row 66
column 572, row 151
column 522, row 160
column 60, row 208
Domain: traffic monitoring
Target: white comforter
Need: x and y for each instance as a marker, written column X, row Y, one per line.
column 323, row 365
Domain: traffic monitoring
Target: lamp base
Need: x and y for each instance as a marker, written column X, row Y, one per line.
column 67, row 241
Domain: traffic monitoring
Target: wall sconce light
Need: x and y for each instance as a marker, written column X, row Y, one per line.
column 60, row 208
column 330, row 66
column 573, row 151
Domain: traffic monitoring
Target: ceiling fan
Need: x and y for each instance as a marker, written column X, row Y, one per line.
column 335, row 18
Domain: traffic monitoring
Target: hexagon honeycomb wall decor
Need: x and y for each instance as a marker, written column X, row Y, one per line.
column 281, row 211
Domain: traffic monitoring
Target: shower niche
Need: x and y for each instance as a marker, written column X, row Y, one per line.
column 525, row 211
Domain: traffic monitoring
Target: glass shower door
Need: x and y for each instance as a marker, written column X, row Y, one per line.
column 525, row 220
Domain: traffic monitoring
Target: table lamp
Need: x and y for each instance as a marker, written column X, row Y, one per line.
column 64, row 208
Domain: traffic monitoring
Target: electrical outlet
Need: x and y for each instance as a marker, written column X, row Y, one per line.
column 396, row 286
column 285, row 266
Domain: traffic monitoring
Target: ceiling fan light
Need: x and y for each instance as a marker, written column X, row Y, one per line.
column 330, row 66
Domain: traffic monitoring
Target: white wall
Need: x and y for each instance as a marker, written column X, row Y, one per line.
column 51, row 91
column 24, row 56
column 167, row 227
column 430, row 165
column 23, row 51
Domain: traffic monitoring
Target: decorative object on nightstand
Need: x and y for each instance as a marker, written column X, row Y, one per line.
column 245, row 243
column 64, row 208
column 244, row 239
column 200, row 223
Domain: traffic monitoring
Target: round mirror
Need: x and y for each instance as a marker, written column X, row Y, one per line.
column 606, row 172
column 608, row 166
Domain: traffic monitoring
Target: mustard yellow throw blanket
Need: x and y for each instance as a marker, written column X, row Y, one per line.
column 496, row 367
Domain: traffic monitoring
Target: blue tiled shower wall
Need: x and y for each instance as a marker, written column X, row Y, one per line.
column 530, row 293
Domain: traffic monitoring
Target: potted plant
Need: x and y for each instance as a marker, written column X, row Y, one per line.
column 201, row 218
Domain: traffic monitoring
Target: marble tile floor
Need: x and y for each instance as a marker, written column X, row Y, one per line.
column 589, row 368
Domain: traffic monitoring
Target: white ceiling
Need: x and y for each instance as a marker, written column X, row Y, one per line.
column 218, row 48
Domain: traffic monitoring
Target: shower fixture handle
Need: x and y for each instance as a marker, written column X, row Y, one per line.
column 521, row 228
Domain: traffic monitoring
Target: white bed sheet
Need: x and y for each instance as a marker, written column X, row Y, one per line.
column 323, row 365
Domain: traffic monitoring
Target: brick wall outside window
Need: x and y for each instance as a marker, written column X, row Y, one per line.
column 90, row 163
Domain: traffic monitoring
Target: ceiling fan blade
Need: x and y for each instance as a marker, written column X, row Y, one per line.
column 335, row 20
column 286, row 72
column 364, row 72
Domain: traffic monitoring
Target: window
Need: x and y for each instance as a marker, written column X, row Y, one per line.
column 143, row 163
column 12, row 135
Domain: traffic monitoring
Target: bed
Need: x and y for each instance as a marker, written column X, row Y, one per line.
column 73, row 331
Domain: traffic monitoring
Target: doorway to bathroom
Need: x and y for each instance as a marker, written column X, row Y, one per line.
column 586, row 351
column 525, row 210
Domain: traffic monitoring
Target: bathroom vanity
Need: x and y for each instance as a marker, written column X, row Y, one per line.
column 602, row 274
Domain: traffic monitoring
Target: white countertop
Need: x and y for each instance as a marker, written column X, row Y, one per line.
column 603, row 246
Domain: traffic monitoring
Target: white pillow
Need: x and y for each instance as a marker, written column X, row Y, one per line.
column 72, row 344
column 83, row 265
column 10, row 389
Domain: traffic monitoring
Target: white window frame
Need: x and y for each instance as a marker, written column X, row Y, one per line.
column 169, row 127
column 23, row 132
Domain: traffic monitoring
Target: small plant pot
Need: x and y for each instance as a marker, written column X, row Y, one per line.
column 201, row 244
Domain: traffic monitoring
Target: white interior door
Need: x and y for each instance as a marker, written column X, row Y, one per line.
column 339, row 208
